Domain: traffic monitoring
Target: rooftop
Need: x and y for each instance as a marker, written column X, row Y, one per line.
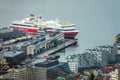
column 47, row 63
column 46, row 37
column 5, row 30
column 72, row 56
column 12, row 53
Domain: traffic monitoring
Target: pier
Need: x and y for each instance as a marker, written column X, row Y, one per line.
column 68, row 42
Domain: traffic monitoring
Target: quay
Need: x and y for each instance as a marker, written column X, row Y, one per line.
column 32, row 45
column 36, row 44
column 67, row 43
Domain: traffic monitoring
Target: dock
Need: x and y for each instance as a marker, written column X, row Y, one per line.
column 68, row 42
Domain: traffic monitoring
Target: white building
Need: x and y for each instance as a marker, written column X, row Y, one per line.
column 73, row 62
column 76, row 61
column 17, row 74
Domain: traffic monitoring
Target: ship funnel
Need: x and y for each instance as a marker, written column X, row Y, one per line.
column 31, row 15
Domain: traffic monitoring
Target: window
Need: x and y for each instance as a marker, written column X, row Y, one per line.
column 22, row 25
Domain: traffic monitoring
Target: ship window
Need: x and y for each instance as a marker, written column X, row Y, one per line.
column 65, row 26
column 14, row 24
column 21, row 25
column 25, row 25
column 49, row 28
column 67, row 29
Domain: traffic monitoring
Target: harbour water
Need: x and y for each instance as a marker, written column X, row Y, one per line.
column 97, row 20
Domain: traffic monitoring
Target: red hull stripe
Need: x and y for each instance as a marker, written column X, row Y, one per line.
column 66, row 34
column 31, row 30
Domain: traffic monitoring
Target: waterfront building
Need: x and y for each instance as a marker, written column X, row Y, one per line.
column 46, row 70
column 103, row 55
column 73, row 62
column 109, row 51
column 7, row 34
column 117, row 46
column 117, row 52
column 86, row 60
column 49, row 69
column 17, row 74
column 100, row 58
column 13, row 57
column 96, row 58
column 42, row 44
column 79, row 61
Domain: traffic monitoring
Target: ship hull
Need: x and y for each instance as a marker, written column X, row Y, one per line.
column 25, row 29
column 67, row 34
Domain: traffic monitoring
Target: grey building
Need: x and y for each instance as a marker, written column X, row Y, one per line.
column 49, row 69
column 7, row 34
column 42, row 44
column 86, row 60
column 14, row 57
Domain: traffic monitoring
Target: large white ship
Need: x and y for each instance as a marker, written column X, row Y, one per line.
column 33, row 24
